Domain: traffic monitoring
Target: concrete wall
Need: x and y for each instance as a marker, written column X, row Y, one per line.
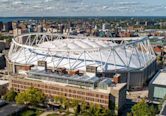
column 136, row 78
column 119, row 98
column 140, row 78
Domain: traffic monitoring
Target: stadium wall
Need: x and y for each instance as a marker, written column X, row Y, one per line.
column 135, row 79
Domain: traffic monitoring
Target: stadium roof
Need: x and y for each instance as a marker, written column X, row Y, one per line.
column 77, row 53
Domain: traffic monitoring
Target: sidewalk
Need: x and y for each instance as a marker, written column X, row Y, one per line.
column 47, row 113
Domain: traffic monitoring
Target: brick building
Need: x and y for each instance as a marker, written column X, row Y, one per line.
column 105, row 97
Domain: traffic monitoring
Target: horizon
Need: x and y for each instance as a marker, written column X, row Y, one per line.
column 74, row 16
column 8, row 19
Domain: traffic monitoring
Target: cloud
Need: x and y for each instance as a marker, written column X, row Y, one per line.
column 17, row 2
column 48, row 0
column 81, row 7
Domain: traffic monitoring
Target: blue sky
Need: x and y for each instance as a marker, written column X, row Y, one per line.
column 82, row 7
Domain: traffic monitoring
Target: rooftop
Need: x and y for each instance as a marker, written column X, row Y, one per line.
column 117, row 86
column 2, row 82
column 92, row 79
column 77, row 81
column 75, row 44
column 160, row 78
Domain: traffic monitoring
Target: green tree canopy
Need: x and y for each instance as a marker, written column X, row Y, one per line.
column 30, row 96
column 10, row 95
column 81, row 108
column 8, row 38
column 97, row 110
column 142, row 109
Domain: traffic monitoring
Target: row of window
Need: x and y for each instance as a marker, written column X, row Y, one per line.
column 69, row 95
column 64, row 91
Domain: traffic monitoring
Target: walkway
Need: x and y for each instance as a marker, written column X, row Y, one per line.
column 47, row 113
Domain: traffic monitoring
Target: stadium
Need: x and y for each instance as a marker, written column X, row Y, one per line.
column 134, row 59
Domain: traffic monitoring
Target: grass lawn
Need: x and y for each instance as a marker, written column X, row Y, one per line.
column 31, row 112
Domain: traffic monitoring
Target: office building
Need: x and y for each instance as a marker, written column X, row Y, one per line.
column 157, row 86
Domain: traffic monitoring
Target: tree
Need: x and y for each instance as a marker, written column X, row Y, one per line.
column 83, row 105
column 129, row 114
column 30, row 96
column 8, row 38
column 97, row 110
column 90, row 111
column 64, row 102
column 10, row 95
column 142, row 109
column 107, row 112
column 84, row 109
column 74, row 104
column 57, row 99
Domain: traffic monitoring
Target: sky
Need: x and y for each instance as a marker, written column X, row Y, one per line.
column 82, row 8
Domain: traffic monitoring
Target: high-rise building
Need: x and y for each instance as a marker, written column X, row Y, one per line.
column 61, row 28
column 29, row 28
column 95, row 27
column 17, row 31
column 9, row 26
column 39, row 28
column 1, row 26
column 103, row 27
column 14, row 25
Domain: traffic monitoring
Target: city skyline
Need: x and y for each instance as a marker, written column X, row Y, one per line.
column 82, row 8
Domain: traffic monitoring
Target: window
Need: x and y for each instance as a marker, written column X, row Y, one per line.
column 159, row 92
column 102, row 96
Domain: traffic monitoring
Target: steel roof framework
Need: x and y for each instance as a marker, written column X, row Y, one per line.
column 29, row 50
